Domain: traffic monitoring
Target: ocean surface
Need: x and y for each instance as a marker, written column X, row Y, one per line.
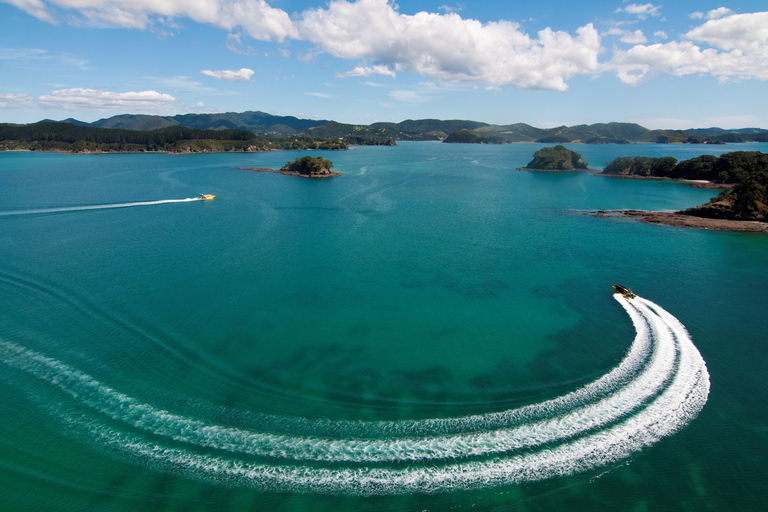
column 434, row 330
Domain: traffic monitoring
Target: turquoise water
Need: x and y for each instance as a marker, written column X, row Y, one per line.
column 275, row 347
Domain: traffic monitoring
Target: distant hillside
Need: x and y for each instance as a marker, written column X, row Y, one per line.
column 257, row 122
column 135, row 122
column 67, row 137
column 456, row 130
column 421, row 129
column 602, row 133
column 716, row 132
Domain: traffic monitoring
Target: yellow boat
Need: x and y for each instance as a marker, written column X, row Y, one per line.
column 626, row 292
column 207, row 197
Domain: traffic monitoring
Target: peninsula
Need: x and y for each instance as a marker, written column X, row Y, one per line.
column 741, row 206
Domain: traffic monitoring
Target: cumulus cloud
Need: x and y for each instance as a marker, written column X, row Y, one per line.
column 446, row 47
column 441, row 46
column 232, row 75
column 746, row 32
column 738, row 50
column 254, row 17
column 641, row 11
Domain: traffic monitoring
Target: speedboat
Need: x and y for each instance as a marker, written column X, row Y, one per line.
column 626, row 292
column 207, row 197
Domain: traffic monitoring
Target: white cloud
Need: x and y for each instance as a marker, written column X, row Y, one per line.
column 36, row 8
column 746, row 32
column 743, row 37
column 232, row 75
column 320, row 95
column 255, row 17
column 711, row 15
column 90, row 99
column 93, row 99
column 660, row 35
column 626, row 36
column 366, row 71
column 641, row 11
column 16, row 101
column 449, row 48
column 448, row 8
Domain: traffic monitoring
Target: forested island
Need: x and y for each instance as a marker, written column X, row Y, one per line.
column 743, row 175
column 557, row 158
column 305, row 166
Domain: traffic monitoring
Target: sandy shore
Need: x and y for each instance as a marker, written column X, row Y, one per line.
column 691, row 183
column 688, row 221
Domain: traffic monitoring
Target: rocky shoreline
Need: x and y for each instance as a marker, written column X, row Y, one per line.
column 682, row 219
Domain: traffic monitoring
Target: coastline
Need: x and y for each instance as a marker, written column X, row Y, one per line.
column 710, row 185
column 533, row 169
column 679, row 219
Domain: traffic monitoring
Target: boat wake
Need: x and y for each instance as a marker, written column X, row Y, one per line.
column 96, row 207
column 659, row 387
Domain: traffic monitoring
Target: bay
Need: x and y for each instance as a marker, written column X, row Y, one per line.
column 430, row 282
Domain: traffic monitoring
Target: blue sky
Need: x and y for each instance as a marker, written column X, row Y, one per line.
column 676, row 65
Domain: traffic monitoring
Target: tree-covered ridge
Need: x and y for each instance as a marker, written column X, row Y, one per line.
column 55, row 136
column 456, row 130
column 557, row 158
column 600, row 133
column 731, row 167
column 747, row 171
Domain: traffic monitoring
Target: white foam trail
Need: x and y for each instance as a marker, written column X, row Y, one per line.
column 97, row 207
column 580, row 419
column 666, row 394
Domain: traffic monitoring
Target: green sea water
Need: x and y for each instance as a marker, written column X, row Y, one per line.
column 248, row 352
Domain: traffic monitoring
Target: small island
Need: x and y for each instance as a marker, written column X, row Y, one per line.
column 305, row 167
column 741, row 206
column 556, row 159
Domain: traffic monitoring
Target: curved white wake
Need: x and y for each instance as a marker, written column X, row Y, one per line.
column 96, row 207
column 659, row 387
